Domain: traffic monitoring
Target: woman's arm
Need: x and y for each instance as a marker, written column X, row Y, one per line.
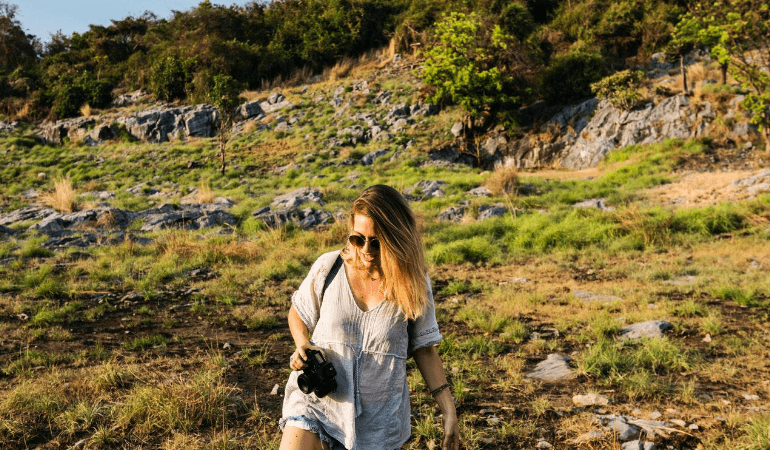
column 432, row 370
column 301, row 336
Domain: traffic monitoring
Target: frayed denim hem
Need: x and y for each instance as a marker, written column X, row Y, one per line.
column 308, row 424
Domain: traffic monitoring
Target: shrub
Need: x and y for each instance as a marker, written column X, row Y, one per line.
column 621, row 89
column 569, row 77
column 169, row 77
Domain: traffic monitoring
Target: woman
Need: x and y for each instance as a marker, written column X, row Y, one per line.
column 376, row 312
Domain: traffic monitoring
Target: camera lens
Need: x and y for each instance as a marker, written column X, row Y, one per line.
column 304, row 384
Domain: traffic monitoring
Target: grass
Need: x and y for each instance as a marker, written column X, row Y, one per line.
column 148, row 385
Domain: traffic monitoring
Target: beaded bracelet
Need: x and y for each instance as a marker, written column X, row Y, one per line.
column 439, row 389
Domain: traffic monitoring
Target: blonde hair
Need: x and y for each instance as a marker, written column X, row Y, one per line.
column 402, row 258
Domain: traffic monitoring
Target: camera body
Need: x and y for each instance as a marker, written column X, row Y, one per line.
column 317, row 375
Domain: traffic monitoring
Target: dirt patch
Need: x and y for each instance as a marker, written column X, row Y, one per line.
column 698, row 189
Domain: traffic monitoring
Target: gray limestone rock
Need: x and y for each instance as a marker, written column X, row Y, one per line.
column 426, row 189
column 590, row 399
column 297, row 197
column 369, row 158
column 452, row 214
column 481, row 191
column 490, row 211
column 649, row 329
column 25, row 214
column 554, row 368
column 597, row 203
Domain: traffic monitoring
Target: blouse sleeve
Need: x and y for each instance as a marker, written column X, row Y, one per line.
column 423, row 331
column 307, row 298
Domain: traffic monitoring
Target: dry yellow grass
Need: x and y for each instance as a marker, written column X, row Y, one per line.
column 503, row 180
column 205, row 194
column 340, row 70
column 63, row 198
column 85, row 110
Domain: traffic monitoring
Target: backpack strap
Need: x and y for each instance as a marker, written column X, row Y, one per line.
column 332, row 273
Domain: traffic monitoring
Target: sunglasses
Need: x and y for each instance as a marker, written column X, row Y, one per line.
column 360, row 241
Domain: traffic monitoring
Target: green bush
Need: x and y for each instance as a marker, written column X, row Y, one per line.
column 170, row 76
column 621, row 89
column 569, row 77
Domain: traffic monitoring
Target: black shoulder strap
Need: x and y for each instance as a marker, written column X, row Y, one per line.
column 332, row 273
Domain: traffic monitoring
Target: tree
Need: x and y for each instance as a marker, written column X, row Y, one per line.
column 224, row 95
column 739, row 34
column 17, row 48
column 474, row 66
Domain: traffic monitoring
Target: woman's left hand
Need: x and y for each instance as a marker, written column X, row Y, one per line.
column 451, row 433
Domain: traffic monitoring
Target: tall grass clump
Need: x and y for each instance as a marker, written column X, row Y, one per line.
column 63, row 198
column 757, row 431
column 474, row 250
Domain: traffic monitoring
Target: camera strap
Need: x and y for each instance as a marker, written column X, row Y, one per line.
column 332, row 273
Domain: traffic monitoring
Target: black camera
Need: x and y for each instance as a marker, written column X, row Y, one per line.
column 317, row 375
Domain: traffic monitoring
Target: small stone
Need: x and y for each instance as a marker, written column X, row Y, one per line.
column 693, row 427
column 590, row 399
column 656, row 415
column 227, row 346
column 588, row 437
column 636, row 445
column 42, row 176
column 275, row 389
column 625, row 431
column 707, row 338
column 751, row 397
column 679, row 422
column 544, row 444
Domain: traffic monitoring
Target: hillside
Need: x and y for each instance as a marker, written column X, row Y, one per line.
column 143, row 295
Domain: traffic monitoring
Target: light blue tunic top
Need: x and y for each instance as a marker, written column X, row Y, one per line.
column 370, row 408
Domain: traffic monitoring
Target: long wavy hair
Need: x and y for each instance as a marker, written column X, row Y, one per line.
column 402, row 257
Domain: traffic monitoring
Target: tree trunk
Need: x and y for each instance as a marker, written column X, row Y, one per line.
column 684, row 73
column 724, row 73
column 222, row 143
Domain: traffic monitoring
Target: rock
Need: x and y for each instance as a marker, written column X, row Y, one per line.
column 481, row 191
column 42, row 176
column 554, row 368
column 490, row 211
column 543, row 444
column 249, row 110
column 276, row 387
column 597, row 203
column 649, row 329
column 590, row 399
column 128, row 99
column 282, row 127
column 5, row 231
column 593, row 435
column 624, row 431
column 457, row 129
column 369, row 158
column 307, row 218
column 426, row 189
column 751, row 397
column 297, row 197
column 452, row 214
column 637, row 445
column 27, row 213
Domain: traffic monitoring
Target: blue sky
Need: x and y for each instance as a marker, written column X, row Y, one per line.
column 44, row 17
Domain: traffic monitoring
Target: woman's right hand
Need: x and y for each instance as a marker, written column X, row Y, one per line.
column 298, row 358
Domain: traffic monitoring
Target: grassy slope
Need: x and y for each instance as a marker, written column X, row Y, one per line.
column 81, row 360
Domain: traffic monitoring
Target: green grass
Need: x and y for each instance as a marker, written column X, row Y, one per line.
column 146, row 342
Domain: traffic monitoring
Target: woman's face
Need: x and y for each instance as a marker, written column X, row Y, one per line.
column 368, row 255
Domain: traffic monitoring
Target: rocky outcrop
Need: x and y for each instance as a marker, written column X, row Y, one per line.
column 158, row 124
column 579, row 136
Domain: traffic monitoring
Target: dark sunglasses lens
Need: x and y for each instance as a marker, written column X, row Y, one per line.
column 358, row 241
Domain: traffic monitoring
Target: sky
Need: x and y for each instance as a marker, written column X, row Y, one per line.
column 45, row 17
